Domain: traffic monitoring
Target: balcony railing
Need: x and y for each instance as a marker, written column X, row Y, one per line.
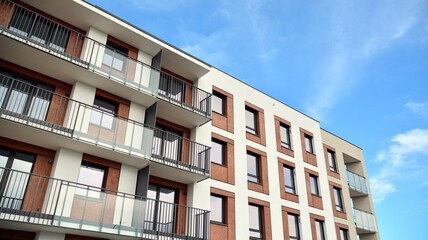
column 365, row 220
column 185, row 95
column 29, row 104
column 31, row 28
column 357, row 182
column 37, row 199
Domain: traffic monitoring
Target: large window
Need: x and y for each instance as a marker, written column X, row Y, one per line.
column 171, row 87
column 338, row 199
column 161, row 214
column 218, row 151
column 251, row 116
column 39, row 29
column 293, row 226
column 309, row 144
column 103, row 113
column 343, row 234
column 314, row 184
column 167, row 144
column 24, row 97
column 253, row 167
column 319, row 229
column 14, row 183
column 93, row 179
column 290, row 185
column 332, row 160
column 218, row 209
column 255, row 218
column 285, row 135
column 115, row 57
column 218, row 103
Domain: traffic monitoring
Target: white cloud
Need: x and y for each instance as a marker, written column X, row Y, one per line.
column 405, row 157
column 420, row 108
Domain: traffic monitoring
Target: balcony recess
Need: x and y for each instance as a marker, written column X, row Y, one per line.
column 357, row 184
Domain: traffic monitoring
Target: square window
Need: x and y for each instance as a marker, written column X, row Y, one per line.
column 253, row 167
column 115, row 57
column 309, row 144
column 338, row 198
column 332, row 160
column 314, row 184
column 319, row 229
column 251, row 116
column 285, row 135
column 255, row 218
column 103, row 113
column 218, row 103
column 290, row 186
column 92, row 178
column 218, row 151
column 293, row 226
column 218, row 209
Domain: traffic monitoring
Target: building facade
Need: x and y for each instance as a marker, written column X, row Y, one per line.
column 107, row 132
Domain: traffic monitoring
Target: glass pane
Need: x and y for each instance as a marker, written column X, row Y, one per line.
column 21, row 22
column 314, row 185
column 319, row 228
column 343, row 234
column 40, row 31
column 60, row 38
column 285, row 136
column 108, row 57
column 3, row 160
column 217, row 104
column 250, row 120
column 90, row 176
column 308, row 144
column 165, row 218
column 39, row 108
column 17, row 101
column 254, row 217
column 289, row 180
column 292, row 225
column 253, row 168
column 217, row 209
column 331, row 160
column 119, row 62
column 217, row 152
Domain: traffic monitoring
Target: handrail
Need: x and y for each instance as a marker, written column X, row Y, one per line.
column 364, row 219
column 357, row 182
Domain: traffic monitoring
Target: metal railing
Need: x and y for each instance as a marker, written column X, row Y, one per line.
column 34, row 106
column 357, row 182
column 364, row 220
column 47, row 35
column 38, row 199
column 179, row 92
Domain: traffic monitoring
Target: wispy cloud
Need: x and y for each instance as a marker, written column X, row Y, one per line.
column 419, row 108
column 405, row 157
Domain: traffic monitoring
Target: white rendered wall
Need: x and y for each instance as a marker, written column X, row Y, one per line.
column 124, row 209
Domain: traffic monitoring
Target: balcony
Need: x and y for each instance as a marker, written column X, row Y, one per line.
column 357, row 184
column 364, row 221
column 34, row 199
column 38, row 108
column 47, row 36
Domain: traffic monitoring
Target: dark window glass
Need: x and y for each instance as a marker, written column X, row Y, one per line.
column 314, row 184
column 289, row 179
column 285, row 136
column 218, row 103
column 253, row 165
column 255, row 218
column 217, row 209
column 293, row 226
column 332, row 160
column 251, row 120
column 167, row 144
column 103, row 113
column 343, row 234
column 217, row 151
column 171, row 88
column 309, row 144
column 14, row 181
column 319, row 229
column 93, row 177
column 160, row 215
column 338, row 199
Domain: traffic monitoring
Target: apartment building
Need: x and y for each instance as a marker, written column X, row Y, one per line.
column 107, row 132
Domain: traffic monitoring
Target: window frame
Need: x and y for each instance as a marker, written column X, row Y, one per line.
column 254, row 113
column 257, row 158
column 117, row 51
column 338, row 199
column 222, row 98
column 309, row 143
column 292, row 177
column 331, row 155
column 319, row 226
column 223, row 151
column 260, row 220
column 100, row 106
column 223, row 209
column 313, row 181
column 344, row 235
column 90, row 188
column 296, row 224
column 288, row 135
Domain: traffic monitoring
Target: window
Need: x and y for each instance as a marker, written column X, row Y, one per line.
column 289, row 179
column 93, row 179
column 167, row 144
column 115, row 57
column 285, row 135
column 253, row 165
column 319, row 229
column 218, row 151
column 332, row 160
column 293, row 226
column 14, row 181
column 251, row 120
column 343, row 234
column 314, row 184
column 172, row 87
column 309, row 144
column 161, row 214
column 255, row 218
column 21, row 96
column 39, row 29
column 217, row 209
column 103, row 113
column 338, row 198
column 218, row 103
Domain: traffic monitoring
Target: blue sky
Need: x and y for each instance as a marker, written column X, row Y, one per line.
column 359, row 67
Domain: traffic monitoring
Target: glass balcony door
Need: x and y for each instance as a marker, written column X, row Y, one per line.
column 161, row 214
column 166, row 145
